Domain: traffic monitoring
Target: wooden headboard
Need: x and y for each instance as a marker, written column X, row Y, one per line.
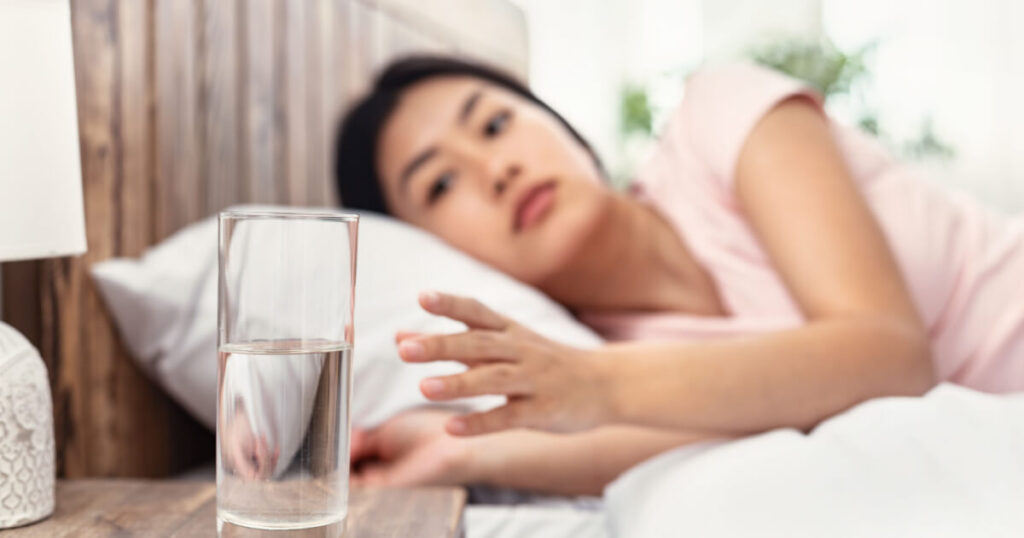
column 185, row 107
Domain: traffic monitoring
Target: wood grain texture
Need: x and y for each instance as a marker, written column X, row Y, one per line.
column 218, row 101
column 298, row 23
column 363, row 43
column 179, row 192
column 98, row 424
column 334, row 94
column 20, row 295
column 85, row 389
column 186, row 107
column 97, row 508
column 259, row 134
column 136, row 134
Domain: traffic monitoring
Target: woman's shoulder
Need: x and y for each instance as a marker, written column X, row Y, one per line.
column 743, row 87
column 720, row 106
column 724, row 75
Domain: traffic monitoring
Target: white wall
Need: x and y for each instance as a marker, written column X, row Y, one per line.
column 731, row 27
column 959, row 61
column 577, row 63
column 582, row 52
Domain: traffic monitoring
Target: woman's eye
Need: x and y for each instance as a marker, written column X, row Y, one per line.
column 497, row 123
column 440, row 186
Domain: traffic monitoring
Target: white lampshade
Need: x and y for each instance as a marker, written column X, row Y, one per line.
column 41, row 212
column 41, row 216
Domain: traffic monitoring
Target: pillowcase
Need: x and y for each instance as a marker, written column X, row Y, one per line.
column 165, row 307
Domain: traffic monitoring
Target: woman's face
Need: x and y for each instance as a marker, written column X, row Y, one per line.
column 492, row 174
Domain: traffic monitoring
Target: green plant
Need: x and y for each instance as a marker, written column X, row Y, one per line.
column 636, row 111
column 834, row 72
column 928, row 144
column 819, row 63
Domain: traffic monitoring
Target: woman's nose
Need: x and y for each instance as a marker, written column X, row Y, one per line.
column 504, row 178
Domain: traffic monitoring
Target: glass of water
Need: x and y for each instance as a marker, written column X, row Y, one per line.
column 287, row 283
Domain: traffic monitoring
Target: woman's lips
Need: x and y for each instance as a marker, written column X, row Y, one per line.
column 534, row 205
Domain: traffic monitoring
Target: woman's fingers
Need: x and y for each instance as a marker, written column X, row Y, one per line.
column 404, row 472
column 264, row 459
column 363, row 444
column 469, row 347
column 469, row 311
column 499, row 378
column 505, row 417
column 370, row 474
column 241, row 461
column 405, row 335
column 484, row 340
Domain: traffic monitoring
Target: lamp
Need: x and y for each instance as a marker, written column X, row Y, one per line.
column 41, row 216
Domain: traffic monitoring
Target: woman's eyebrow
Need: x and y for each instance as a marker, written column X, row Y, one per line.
column 467, row 107
column 417, row 162
column 429, row 153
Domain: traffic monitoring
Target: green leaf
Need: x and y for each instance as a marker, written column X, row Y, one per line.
column 636, row 111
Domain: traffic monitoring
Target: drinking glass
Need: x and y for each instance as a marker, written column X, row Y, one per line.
column 287, row 282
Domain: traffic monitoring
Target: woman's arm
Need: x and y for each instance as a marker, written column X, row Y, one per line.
column 863, row 337
column 412, row 448
column 577, row 464
column 793, row 378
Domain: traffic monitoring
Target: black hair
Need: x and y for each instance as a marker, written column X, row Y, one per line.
column 355, row 159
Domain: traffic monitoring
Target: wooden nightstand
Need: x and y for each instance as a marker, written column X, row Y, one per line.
column 171, row 508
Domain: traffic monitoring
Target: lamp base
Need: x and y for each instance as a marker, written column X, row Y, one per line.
column 26, row 433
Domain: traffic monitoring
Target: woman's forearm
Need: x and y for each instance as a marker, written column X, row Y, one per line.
column 793, row 378
column 576, row 464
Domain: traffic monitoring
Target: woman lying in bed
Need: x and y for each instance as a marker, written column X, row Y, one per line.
column 767, row 269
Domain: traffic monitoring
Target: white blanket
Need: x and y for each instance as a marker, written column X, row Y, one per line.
column 949, row 464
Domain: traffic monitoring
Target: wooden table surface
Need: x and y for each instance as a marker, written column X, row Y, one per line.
column 95, row 508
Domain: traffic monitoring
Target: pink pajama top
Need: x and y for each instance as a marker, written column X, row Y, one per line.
column 964, row 265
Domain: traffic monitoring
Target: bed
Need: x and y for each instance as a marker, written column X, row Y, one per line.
column 186, row 107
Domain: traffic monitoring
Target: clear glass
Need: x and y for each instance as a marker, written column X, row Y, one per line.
column 287, row 283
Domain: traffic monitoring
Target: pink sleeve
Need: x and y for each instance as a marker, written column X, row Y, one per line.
column 723, row 104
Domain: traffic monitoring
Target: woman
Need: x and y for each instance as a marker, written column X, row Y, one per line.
column 769, row 269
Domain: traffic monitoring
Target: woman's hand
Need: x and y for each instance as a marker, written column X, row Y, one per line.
column 549, row 386
column 245, row 453
column 412, row 449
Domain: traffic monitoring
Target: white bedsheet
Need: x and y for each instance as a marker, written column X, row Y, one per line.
column 530, row 521
column 949, row 464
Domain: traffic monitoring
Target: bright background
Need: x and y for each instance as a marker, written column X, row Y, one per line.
column 957, row 63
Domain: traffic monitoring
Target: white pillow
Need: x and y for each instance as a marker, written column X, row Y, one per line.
column 165, row 308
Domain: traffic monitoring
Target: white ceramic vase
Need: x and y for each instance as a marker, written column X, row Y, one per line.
column 26, row 433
